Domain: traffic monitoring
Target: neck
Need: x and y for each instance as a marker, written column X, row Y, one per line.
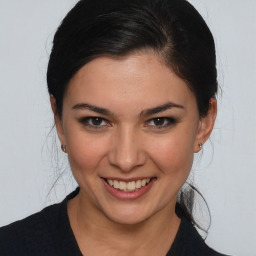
column 97, row 235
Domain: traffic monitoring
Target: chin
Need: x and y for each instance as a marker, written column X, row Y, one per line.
column 127, row 219
column 128, row 215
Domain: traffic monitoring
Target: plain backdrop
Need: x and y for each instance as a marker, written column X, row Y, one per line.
column 30, row 157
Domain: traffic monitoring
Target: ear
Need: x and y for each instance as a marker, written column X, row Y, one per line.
column 206, row 125
column 57, row 120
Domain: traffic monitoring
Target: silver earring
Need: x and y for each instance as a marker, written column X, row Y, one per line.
column 200, row 144
column 64, row 148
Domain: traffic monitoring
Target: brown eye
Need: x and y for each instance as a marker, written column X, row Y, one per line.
column 96, row 121
column 159, row 121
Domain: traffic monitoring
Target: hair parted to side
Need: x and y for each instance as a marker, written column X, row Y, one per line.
column 173, row 29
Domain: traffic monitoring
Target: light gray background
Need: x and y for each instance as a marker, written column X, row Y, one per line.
column 29, row 160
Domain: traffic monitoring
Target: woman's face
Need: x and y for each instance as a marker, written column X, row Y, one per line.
column 131, row 127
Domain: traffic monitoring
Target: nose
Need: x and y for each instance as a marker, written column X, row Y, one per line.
column 127, row 150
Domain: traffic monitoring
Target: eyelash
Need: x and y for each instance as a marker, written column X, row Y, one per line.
column 87, row 121
column 167, row 121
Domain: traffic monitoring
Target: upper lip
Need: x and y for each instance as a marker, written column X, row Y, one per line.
column 128, row 180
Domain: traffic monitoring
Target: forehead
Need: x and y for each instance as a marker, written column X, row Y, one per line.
column 140, row 79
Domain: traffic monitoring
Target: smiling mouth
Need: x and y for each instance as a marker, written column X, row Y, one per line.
column 130, row 186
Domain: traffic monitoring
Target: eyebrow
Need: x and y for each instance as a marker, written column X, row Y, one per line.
column 93, row 108
column 147, row 112
column 159, row 109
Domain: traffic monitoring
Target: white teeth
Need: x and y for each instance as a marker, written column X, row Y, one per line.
column 130, row 186
column 122, row 185
column 138, row 184
column 116, row 184
column 110, row 182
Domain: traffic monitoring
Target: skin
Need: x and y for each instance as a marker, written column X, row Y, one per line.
column 128, row 143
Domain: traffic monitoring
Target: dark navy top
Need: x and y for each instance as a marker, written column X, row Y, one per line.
column 48, row 233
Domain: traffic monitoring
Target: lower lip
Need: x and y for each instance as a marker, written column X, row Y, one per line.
column 122, row 195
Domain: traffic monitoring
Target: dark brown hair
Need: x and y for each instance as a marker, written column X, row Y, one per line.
column 171, row 28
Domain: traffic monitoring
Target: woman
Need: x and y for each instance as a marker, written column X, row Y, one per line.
column 132, row 86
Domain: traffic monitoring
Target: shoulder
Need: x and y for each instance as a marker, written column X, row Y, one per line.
column 30, row 233
column 188, row 242
column 47, row 232
column 198, row 244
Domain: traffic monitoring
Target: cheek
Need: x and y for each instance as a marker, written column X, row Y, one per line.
column 85, row 151
column 173, row 153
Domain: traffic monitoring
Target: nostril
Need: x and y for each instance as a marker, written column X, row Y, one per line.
column 126, row 153
column 126, row 162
